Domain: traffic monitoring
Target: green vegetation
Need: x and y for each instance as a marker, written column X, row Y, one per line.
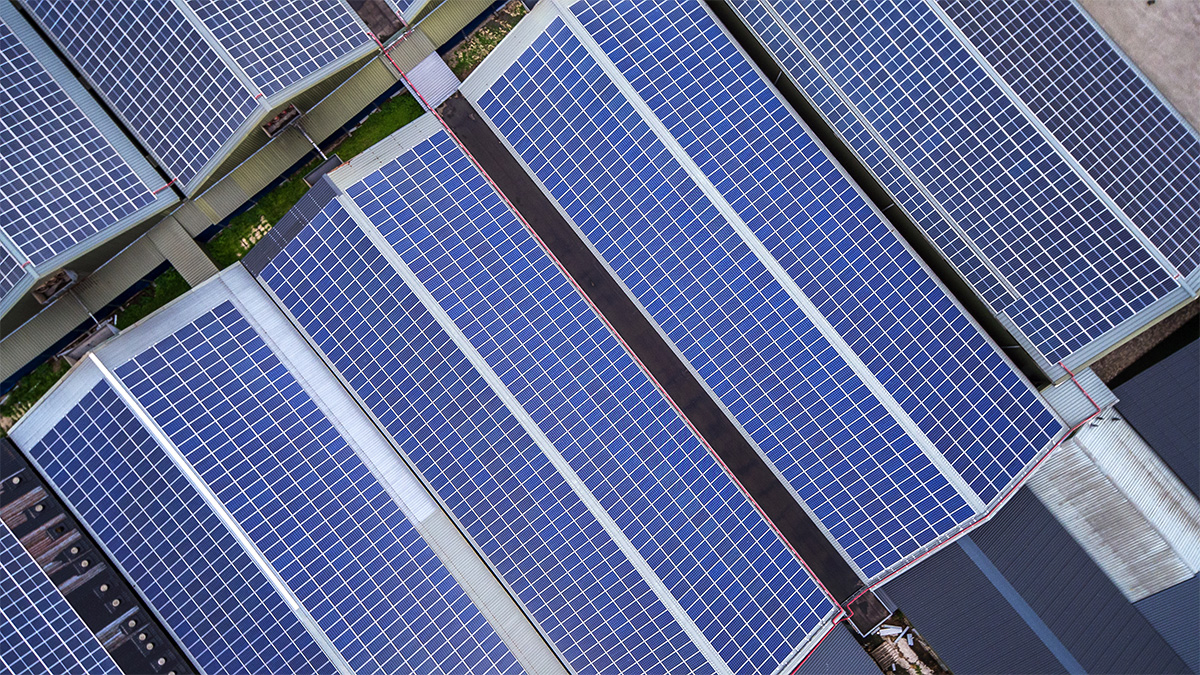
column 165, row 288
column 393, row 114
column 29, row 390
column 247, row 228
column 465, row 57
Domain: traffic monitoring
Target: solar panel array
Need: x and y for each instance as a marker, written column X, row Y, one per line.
column 61, row 180
column 157, row 72
column 170, row 544
column 309, row 503
column 849, row 459
column 1106, row 115
column 733, row 577
column 279, row 43
column 524, row 516
column 39, row 632
column 943, row 371
column 327, row 530
column 186, row 88
column 1072, row 269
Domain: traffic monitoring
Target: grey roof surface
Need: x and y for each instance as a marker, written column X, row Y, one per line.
column 1175, row 613
column 1163, row 404
column 839, row 654
column 975, row 629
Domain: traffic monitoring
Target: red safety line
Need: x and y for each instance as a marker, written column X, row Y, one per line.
column 165, row 186
column 844, row 613
column 614, row 332
column 1004, row 498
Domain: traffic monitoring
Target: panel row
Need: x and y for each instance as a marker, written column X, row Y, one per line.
column 616, row 527
column 884, row 407
column 1050, row 227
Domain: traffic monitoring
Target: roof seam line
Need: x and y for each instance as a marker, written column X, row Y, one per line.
column 210, row 498
column 670, row 602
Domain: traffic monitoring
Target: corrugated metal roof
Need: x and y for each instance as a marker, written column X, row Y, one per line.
column 1071, row 593
column 181, row 251
column 433, row 80
column 1162, row 404
column 839, row 654
column 1175, row 613
column 1070, row 400
column 974, row 629
column 965, row 619
column 1131, row 514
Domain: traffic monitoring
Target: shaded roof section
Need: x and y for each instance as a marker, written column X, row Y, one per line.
column 190, row 77
column 67, row 173
column 839, row 654
column 1161, row 403
column 974, row 628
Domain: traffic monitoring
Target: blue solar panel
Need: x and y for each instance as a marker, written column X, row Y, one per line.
column 39, row 632
column 156, row 71
column 61, row 181
column 1075, row 269
column 942, row 370
column 11, row 272
column 848, row 459
column 170, row 544
column 309, row 503
column 279, row 43
column 907, row 192
column 1103, row 112
column 527, row 520
column 749, row 594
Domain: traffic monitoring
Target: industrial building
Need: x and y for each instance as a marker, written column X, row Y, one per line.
column 650, row 347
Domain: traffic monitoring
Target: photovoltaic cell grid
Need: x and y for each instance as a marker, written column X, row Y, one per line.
column 279, row 43
column 962, row 394
column 909, row 195
column 529, row 523
column 10, row 271
column 750, row 595
column 39, row 631
column 170, row 544
column 1078, row 270
column 156, row 71
column 1096, row 104
column 308, row 502
column 60, row 179
column 874, row 490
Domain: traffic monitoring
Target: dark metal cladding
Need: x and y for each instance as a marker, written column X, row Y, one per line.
column 110, row 608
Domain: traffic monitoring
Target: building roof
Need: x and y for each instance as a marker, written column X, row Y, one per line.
column 882, row 406
column 1021, row 596
column 1011, row 196
column 191, row 78
column 1161, row 403
column 456, row 330
column 69, row 178
column 42, row 633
